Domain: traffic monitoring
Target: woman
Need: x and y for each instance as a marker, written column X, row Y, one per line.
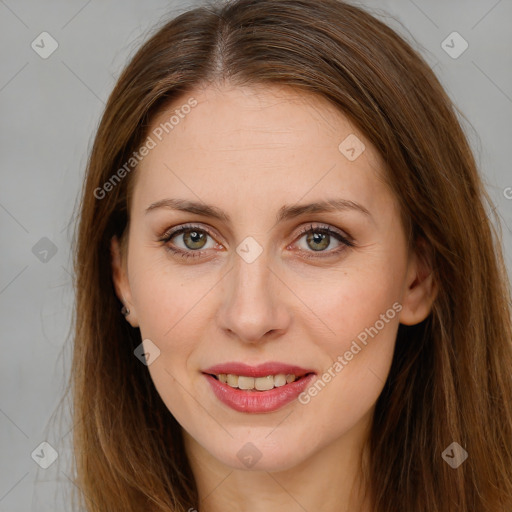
column 289, row 293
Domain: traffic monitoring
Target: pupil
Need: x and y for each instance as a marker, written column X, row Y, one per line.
column 318, row 238
column 194, row 237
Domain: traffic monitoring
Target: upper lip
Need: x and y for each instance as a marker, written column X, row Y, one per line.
column 261, row 370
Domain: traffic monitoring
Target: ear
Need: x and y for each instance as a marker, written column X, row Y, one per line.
column 421, row 287
column 120, row 279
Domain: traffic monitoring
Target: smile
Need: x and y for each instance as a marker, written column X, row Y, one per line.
column 256, row 383
column 257, row 389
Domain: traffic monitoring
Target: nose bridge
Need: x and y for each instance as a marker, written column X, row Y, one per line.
column 251, row 277
column 251, row 307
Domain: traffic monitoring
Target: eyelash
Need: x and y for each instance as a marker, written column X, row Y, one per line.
column 324, row 229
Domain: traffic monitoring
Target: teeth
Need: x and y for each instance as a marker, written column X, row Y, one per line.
column 264, row 383
column 232, row 380
column 258, row 383
column 245, row 382
column 279, row 380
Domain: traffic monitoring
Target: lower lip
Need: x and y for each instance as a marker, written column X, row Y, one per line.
column 258, row 401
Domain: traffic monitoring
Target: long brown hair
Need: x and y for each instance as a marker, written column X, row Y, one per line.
column 451, row 376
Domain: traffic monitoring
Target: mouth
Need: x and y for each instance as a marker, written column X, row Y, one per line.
column 248, row 383
column 257, row 389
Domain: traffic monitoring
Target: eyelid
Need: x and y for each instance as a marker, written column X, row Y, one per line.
column 302, row 230
column 170, row 232
column 343, row 237
column 319, row 226
column 182, row 228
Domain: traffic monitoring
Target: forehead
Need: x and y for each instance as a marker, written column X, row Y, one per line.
column 239, row 143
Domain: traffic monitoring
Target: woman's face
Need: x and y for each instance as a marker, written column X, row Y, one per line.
column 258, row 281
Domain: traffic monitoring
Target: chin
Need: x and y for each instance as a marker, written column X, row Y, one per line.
column 260, row 454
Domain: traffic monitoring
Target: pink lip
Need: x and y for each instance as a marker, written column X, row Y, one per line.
column 262, row 370
column 258, row 401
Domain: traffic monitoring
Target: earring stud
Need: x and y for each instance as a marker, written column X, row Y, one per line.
column 125, row 311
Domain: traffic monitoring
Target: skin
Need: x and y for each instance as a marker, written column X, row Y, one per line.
column 249, row 151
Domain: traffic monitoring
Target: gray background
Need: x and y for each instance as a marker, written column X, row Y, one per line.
column 50, row 109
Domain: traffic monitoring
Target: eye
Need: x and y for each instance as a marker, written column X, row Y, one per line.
column 193, row 238
column 318, row 239
column 194, row 241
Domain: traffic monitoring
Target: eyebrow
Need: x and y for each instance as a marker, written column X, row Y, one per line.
column 286, row 212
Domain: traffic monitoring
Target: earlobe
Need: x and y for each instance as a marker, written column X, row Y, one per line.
column 421, row 289
column 121, row 283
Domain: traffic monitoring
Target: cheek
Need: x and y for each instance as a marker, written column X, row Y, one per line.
column 355, row 327
column 356, row 359
column 170, row 312
column 342, row 305
column 173, row 311
column 164, row 296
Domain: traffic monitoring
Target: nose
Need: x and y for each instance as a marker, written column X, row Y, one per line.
column 253, row 308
